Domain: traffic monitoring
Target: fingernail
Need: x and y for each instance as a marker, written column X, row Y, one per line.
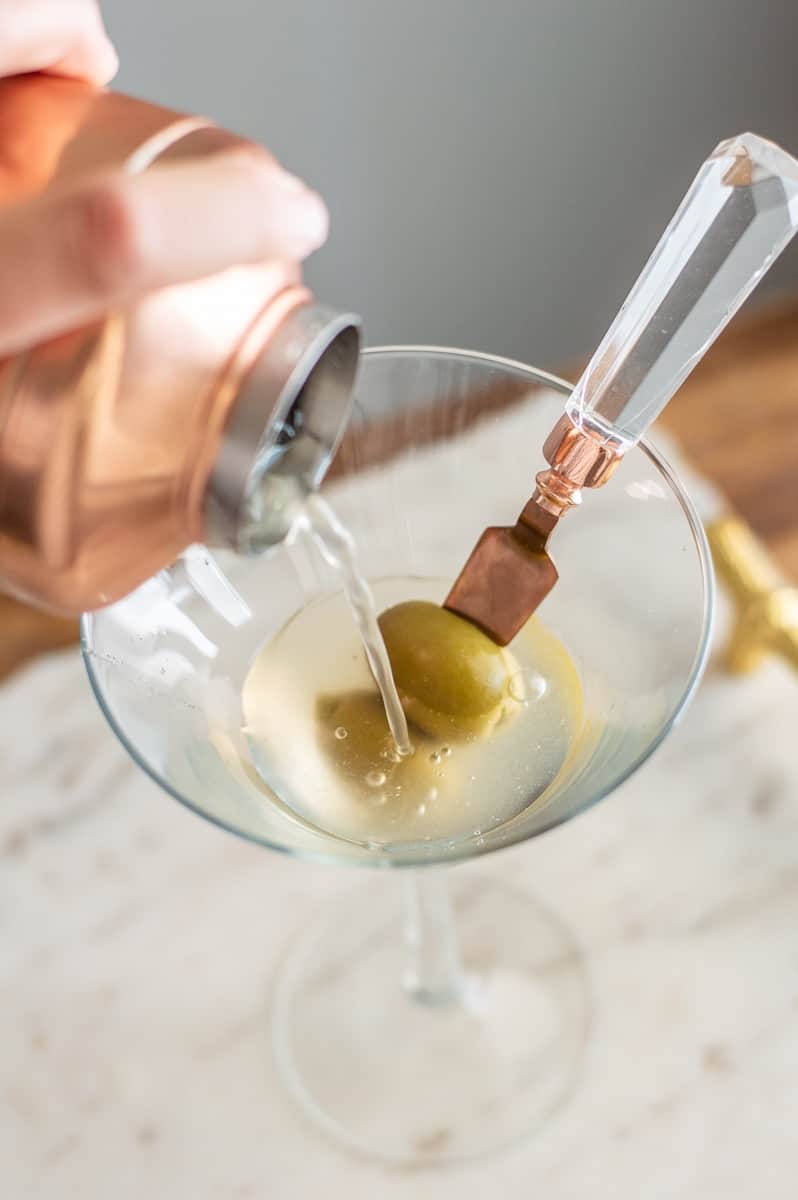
column 295, row 218
column 109, row 63
column 300, row 215
column 290, row 184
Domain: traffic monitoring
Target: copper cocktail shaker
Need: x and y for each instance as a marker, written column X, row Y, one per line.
column 204, row 414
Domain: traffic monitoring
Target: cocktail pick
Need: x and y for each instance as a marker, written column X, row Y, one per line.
column 737, row 217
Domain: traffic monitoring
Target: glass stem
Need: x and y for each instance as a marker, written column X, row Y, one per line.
column 433, row 972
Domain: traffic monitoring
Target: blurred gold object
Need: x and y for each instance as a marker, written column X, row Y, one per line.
column 766, row 620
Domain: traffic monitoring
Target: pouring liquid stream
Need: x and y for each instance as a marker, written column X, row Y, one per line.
column 337, row 546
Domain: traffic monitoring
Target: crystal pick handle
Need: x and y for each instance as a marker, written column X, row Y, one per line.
column 737, row 217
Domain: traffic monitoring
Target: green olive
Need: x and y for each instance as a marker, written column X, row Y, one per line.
column 454, row 682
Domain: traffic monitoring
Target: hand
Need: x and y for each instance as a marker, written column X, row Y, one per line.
column 71, row 255
column 64, row 37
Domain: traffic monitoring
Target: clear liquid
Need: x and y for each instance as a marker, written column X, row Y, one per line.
column 337, row 546
column 326, row 757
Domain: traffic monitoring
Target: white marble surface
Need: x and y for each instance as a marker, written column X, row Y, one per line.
column 137, row 945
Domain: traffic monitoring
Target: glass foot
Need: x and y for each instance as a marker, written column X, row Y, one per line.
column 398, row 1077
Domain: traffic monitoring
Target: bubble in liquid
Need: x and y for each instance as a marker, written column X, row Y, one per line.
column 376, row 779
column 379, row 799
column 392, row 755
column 446, row 751
column 422, row 808
column 526, row 686
column 341, row 733
column 432, row 794
column 435, row 757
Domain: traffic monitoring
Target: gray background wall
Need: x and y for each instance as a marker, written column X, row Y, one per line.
column 497, row 170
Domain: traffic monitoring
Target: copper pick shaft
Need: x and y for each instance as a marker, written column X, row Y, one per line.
column 509, row 572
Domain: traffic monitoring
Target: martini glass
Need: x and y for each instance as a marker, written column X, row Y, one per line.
column 420, row 1019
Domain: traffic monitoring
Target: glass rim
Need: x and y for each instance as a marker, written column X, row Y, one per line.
column 465, row 850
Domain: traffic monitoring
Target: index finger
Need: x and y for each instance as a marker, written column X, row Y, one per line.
column 69, row 257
